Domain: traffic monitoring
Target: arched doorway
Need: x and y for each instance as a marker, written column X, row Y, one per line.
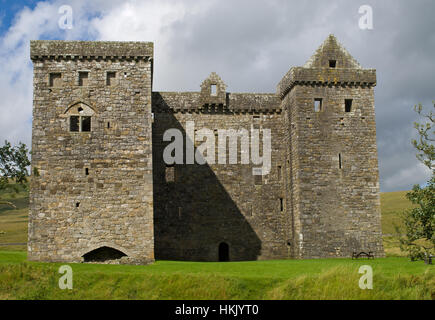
column 103, row 254
column 224, row 252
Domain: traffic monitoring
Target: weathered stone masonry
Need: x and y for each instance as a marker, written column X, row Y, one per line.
column 103, row 191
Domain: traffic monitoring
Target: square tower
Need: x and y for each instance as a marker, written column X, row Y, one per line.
column 328, row 108
column 92, row 188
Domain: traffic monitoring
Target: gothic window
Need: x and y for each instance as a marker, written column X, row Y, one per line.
column 80, row 118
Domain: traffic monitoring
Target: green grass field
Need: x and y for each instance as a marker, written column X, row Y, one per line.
column 394, row 277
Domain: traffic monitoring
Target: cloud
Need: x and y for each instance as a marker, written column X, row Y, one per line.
column 251, row 45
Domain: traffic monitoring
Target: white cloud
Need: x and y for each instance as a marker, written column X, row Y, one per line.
column 406, row 178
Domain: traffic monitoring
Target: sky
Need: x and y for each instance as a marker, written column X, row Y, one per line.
column 251, row 44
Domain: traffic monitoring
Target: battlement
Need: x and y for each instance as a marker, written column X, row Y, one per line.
column 326, row 77
column 191, row 102
column 57, row 49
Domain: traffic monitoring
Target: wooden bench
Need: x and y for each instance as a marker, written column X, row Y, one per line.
column 428, row 258
column 368, row 255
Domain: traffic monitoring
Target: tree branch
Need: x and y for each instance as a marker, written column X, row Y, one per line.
column 8, row 204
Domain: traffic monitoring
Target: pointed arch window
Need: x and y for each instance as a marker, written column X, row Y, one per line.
column 80, row 117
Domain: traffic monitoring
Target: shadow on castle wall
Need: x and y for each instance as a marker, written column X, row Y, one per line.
column 194, row 216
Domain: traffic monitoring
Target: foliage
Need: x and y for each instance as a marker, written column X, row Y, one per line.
column 13, row 168
column 419, row 222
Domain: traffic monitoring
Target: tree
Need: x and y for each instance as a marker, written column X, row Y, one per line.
column 419, row 222
column 13, row 168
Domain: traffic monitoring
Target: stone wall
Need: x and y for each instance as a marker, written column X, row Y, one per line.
column 334, row 168
column 91, row 189
column 210, row 204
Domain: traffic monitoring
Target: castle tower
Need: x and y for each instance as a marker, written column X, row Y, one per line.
column 91, row 190
column 332, row 167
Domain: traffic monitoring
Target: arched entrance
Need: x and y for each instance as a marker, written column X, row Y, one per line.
column 103, row 254
column 224, row 252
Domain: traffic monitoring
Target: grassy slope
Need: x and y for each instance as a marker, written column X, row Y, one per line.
column 13, row 222
column 394, row 278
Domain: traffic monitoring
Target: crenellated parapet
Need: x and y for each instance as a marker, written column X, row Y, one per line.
column 191, row 102
column 90, row 50
column 326, row 77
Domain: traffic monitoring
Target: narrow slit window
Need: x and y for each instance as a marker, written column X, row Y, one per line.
column 340, row 161
column 180, row 213
column 279, row 173
column 281, row 204
column 110, row 77
column 258, row 180
column 170, row 174
column 108, row 125
column 318, row 104
column 332, row 63
column 83, row 78
column 348, row 105
column 213, row 90
column 87, row 171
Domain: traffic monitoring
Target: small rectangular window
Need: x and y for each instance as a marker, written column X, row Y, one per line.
column 87, row 171
column 110, row 77
column 332, row 63
column 258, row 180
column 83, row 78
column 348, row 105
column 213, row 90
column 318, row 104
column 74, row 123
column 170, row 174
column 86, row 124
column 55, row 80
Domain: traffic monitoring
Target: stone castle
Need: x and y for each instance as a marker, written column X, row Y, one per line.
column 101, row 191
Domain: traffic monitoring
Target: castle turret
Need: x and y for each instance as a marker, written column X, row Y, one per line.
column 332, row 171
